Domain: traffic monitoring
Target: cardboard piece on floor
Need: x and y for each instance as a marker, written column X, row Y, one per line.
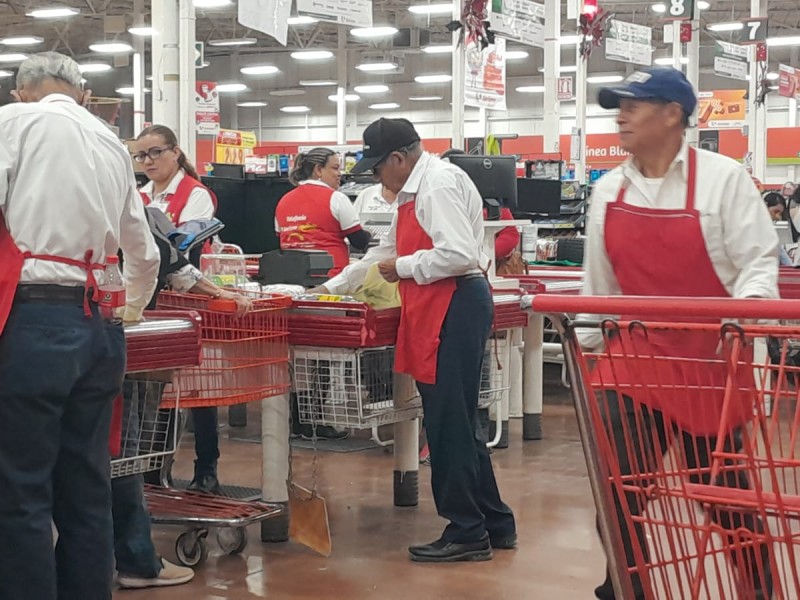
column 308, row 520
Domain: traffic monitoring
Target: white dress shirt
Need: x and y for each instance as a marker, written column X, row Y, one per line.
column 198, row 207
column 67, row 186
column 450, row 210
column 740, row 238
column 371, row 200
column 341, row 208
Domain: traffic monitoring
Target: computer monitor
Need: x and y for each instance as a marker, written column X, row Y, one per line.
column 494, row 176
column 538, row 197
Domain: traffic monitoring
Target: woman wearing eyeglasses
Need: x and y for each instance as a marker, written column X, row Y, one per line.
column 174, row 185
column 175, row 189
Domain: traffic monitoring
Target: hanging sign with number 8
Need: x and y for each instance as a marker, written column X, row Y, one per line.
column 680, row 9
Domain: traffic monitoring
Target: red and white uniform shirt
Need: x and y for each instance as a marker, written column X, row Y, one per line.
column 184, row 199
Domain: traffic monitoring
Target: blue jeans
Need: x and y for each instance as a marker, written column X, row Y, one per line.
column 59, row 374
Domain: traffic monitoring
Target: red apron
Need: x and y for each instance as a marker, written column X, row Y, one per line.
column 422, row 307
column 657, row 252
column 177, row 202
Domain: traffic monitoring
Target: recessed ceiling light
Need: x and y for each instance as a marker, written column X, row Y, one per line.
column 230, row 88
column 668, row 61
column 373, row 32
column 111, row 48
column 246, row 41
column 569, row 40
column 11, row 58
column 773, row 76
column 317, row 82
column 56, row 12
column 30, row 40
column 703, row 5
column 531, row 89
column 604, row 79
column 774, row 87
column 347, row 98
column 254, row 104
column 443, row 78
column 259, row 70
column 129, row 91
column 431, row 9
column 659, row 8
column 312, row 55
column 372, row 89
column 792, row 40
column 438, row 49
column 4, row 74
column 516, row 54
column 302, row 20
column 211, row 3
column 295, row 109
column 734, row 26
column 94, row 68
column 288, row 92
column 424, row 98
column 377, row 67
column 142, row 31
column 384, row 106
column 563, row 69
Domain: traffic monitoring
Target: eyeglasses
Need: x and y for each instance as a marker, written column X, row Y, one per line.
column 153, row 153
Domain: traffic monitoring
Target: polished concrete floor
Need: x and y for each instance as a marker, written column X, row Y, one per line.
column 559, row 556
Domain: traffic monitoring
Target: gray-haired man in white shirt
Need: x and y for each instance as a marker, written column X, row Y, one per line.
column 68, row 200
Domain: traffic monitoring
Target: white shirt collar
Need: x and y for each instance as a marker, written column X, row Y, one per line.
column 681, row 161
column 149, row 187
column 315, row 182
column 411, row 186
column 57, row 98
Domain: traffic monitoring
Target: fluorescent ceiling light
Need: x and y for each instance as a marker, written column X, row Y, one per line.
column 667, row 61
column 563, row 69
column 659, row 8
column 376, row 67
column 384, row 106
column 438, row 49
column 56, row 12
column 254, row 104
column 12, row 58
column 111, row 48
column 605, row 79
column 259, row 70
column 287, row 92
column 230, row 88
column 516, row 54
column 143, row 31
column 30, row 40
column 247, row 41
column 703, row 5
column 531, row 89
column 295, row 109
column 424, row 98
column 373, row 32
column 4, row 74
column 211, row 3
column 792, row 40
column 347, row 98
column 317, row 82
column 301, row 20
column 433, row 78
column 94, row 68
column 734, row 26
column 372, row 89
column 569, row 40
column 431, row 9
column 129, row 91
column 774, row 87
column 312, row 55
column 773, row 76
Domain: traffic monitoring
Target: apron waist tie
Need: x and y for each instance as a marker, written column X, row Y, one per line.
column 90, row 285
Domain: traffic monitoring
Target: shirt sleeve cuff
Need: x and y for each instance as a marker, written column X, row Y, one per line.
column 337, row 285
column 404, row 267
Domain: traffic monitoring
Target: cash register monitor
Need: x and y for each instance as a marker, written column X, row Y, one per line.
column 494, row 176
column 538, row 197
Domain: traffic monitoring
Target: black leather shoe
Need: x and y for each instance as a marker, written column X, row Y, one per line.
column 208, row 484
column 442, row 552
column 503, row 542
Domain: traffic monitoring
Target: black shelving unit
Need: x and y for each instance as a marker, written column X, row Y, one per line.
column 571, row 222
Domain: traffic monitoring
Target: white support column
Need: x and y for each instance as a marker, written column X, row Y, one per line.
column 693, row 72
column 138, row 69
column 483, row 126
column 275, row 415
column 677, row 46
column 791, row 173
column 757, row 115
column 552, row 67
column 187, row 133
column 580, row 115
column 341, row 90
column 166, row 79
column 232, row 109
column 458, row 83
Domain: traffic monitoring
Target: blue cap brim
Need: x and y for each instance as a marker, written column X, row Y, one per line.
column 609, row 97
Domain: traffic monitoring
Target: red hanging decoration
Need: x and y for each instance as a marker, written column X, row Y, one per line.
column 592, row 27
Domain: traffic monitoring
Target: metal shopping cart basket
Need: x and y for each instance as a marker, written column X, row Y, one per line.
column 692, row 454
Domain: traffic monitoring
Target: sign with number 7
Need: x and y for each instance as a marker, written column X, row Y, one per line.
column 755, row 31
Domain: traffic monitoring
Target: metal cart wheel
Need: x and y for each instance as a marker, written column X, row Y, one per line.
column 232, row 540
column 191, row 548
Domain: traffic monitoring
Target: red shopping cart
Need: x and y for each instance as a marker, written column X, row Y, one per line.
column 693, row 454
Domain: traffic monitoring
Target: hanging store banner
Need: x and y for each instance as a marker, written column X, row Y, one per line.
column 629, row 43
column 485, row 77
column 357, row 13
column 731, row 60
column 233, row 147
column 267, row 16
column 206, row 107
column 518, row 20
column 789, row 82
column 722, row 109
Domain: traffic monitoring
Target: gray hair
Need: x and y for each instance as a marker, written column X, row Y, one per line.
column 49, row 65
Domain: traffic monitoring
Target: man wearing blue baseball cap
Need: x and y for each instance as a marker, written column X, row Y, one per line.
column 673, row 220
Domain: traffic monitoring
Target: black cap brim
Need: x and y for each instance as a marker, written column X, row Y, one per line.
column 366, row 164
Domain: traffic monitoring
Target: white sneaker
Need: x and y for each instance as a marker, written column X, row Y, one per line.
column 170, row 575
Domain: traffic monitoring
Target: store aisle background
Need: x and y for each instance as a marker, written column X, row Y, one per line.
column 559, row 555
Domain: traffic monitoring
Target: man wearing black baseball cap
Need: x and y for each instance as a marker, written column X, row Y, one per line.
column 434, row 249
column 674, row 221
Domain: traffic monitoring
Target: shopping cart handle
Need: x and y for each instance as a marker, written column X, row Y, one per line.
column 646, row 306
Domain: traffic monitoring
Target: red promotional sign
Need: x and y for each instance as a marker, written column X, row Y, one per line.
column 789, row 82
